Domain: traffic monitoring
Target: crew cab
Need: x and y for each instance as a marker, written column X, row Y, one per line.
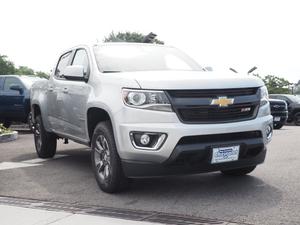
column 279, row 111
column 150, row 110
column 15, row 98
column 293, row 103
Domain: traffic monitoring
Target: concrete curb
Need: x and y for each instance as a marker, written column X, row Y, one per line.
column 8, row 137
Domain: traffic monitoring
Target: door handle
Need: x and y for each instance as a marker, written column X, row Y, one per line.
column 65, row 90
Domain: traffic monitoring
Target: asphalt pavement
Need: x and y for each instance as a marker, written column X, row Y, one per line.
column 269, row 195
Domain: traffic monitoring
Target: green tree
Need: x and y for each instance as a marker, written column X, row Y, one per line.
column 128, row 37
column 6, row 66
column 276, row 85
column 24, row 70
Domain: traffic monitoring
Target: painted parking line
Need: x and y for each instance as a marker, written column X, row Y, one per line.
column 27, row 163
column 39, row 160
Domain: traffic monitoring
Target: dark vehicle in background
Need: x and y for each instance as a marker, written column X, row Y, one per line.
column 293, row 103
column 15, row 99
column 279, row 112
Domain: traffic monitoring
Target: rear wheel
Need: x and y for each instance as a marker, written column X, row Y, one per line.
column 297, row 119
column 239, row 172
column 278, row 126
column 45, row 142
column 106, row 161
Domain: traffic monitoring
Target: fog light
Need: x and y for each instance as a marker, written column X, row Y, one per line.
column 269, row 132
column 145, row 139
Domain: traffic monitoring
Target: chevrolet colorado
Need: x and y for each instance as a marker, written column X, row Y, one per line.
column 150, row 110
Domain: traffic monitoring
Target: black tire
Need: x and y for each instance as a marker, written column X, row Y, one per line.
column 297, row 119
column 278, row 126
column 45, row 142
column 239, row 172
column 106, row 162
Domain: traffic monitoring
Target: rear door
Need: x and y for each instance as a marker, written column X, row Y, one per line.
column 13, row 104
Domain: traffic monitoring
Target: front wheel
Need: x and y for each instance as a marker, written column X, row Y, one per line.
column 239, row 172
column 106, row 161
column 45, row 142
column 297, row 119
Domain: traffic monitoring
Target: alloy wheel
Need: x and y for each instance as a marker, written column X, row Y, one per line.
column 102, row 158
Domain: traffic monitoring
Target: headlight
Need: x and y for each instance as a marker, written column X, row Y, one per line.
column 145, row 99
column 264, row 95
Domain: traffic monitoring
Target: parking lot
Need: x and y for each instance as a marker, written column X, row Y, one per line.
column 269, row 195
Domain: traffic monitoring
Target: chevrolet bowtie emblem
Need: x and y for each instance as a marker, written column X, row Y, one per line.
column 222, row 101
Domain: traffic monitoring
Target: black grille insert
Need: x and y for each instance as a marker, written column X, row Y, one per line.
column 212, row 93
column 195, row 106
column 211, row 138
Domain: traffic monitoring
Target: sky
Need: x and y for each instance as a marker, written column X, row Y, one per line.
column 217, row 33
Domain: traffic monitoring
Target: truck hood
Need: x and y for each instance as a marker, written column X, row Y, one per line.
column 168, row 80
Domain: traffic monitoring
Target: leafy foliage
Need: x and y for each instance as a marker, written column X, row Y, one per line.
column 276, row 85
column 4, row 130
column 128, row 37
column 24, row 70
column 6, row 66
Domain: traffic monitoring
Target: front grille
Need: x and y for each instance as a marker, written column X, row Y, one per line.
column 194, row 106
column 212, row 93
column 278, row 107
column 206, row 114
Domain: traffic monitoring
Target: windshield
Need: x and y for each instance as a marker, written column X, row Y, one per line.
column 134, row 57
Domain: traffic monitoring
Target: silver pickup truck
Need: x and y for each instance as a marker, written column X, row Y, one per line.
column 150, row 110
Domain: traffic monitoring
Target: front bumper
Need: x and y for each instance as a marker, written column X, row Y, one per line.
column 196, row 157
column 137, row 162
column 283, row 117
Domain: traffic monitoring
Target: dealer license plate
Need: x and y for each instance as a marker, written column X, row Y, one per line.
column 276, row 119
column 225, row 154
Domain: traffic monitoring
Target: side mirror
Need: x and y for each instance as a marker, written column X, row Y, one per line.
column 74, row 72
column 16, row 87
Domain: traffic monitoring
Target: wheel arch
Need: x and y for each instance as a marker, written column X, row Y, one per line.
column 96, row 115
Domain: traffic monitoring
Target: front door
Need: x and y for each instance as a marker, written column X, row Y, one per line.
column 55, row 94
column 75, row 97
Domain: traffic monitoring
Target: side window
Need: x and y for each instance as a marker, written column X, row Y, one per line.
column 11, row 81
column 81, row 59
column 63, row 62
